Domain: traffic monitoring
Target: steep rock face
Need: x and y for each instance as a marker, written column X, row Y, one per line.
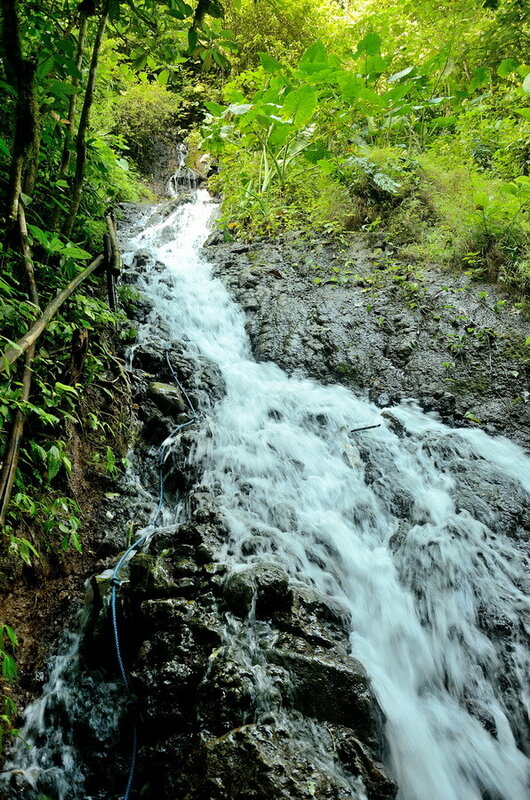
column 349, row 312
column 246, row 693
column 244, row 682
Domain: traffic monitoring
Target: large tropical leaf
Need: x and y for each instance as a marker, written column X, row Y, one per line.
column 300, row 105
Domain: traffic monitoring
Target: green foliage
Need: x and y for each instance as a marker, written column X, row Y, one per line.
column 404, row 137
column 282, row 29
column 8, row 645
column 146, row 111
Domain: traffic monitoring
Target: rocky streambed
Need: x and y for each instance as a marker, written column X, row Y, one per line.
column 245, row 683
column 237, row 621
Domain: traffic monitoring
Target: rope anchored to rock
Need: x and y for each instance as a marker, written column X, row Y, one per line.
column 116, row 581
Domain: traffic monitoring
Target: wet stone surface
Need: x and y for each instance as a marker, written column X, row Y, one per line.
column 244, row 683
column 347, row 313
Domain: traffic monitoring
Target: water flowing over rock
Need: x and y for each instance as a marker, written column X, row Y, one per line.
column 320, row 612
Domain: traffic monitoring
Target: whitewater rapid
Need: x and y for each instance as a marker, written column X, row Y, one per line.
column 327, row 505
column 393, row 523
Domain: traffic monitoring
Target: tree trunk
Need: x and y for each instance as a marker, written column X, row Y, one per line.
column 9, row 469
column 26, row 138
column 69, row 129
column 29, row 269
column 12, row 353
column 81, row 149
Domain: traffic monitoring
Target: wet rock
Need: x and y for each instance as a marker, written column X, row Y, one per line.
column 329, row 687
column 203, row 507
column 238, row 592
column 168, row 397
column 386, row 344
column 358, row 760
column 316, row 619
column 215, row 238
column 225, row 698
column 142, row 258
column 266, row 584
column 150, row 358
column 151, row 575
column 157, row 426
column 265, row 762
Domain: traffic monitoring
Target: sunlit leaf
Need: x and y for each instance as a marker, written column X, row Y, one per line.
column 301, row 104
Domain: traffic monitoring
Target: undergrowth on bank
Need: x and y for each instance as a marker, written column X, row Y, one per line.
column 370, row 127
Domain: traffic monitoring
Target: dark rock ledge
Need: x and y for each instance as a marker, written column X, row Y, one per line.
column 245, row 684
column 246, row 687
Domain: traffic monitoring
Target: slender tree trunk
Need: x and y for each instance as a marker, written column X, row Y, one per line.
column 12, row 353
column 81, row 148
column 69, row 131
column 9, row 467
column 26, row 138
column 25, row 250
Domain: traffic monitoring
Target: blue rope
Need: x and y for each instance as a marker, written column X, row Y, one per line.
column 115, row 580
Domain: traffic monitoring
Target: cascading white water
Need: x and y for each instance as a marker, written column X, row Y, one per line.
column 382, row 521
column 391, row 523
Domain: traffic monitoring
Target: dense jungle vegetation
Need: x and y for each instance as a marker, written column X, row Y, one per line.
column 411, row 118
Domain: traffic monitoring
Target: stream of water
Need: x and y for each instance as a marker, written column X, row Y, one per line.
column 393, row 523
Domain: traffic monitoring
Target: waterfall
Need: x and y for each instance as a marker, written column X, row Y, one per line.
column 184, row 177
column 393, row 523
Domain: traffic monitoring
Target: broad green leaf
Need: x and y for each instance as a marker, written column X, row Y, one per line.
column 399, row 92
column 526, row 84
column 9, row 668
column 193, row 38
column 54, row 462
column 507, row 66
column 314, row 54
column 480, row 78
column 215, row 109
column 524, row 112
column 349, row 85
column 369, row 45
column 300, row 104
column 270, row 64
column 280, row 134
column 63, row 387
column 221, row 59
column 238, row 109
column 185, row 9
column 139, row 62
column 11, row 635
column 375, row 64
column 316, row 152
column 443, row 122
column 45, row 67
column 481, row 200
column 397, row 76
column 41, row 236
column 61, row 88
